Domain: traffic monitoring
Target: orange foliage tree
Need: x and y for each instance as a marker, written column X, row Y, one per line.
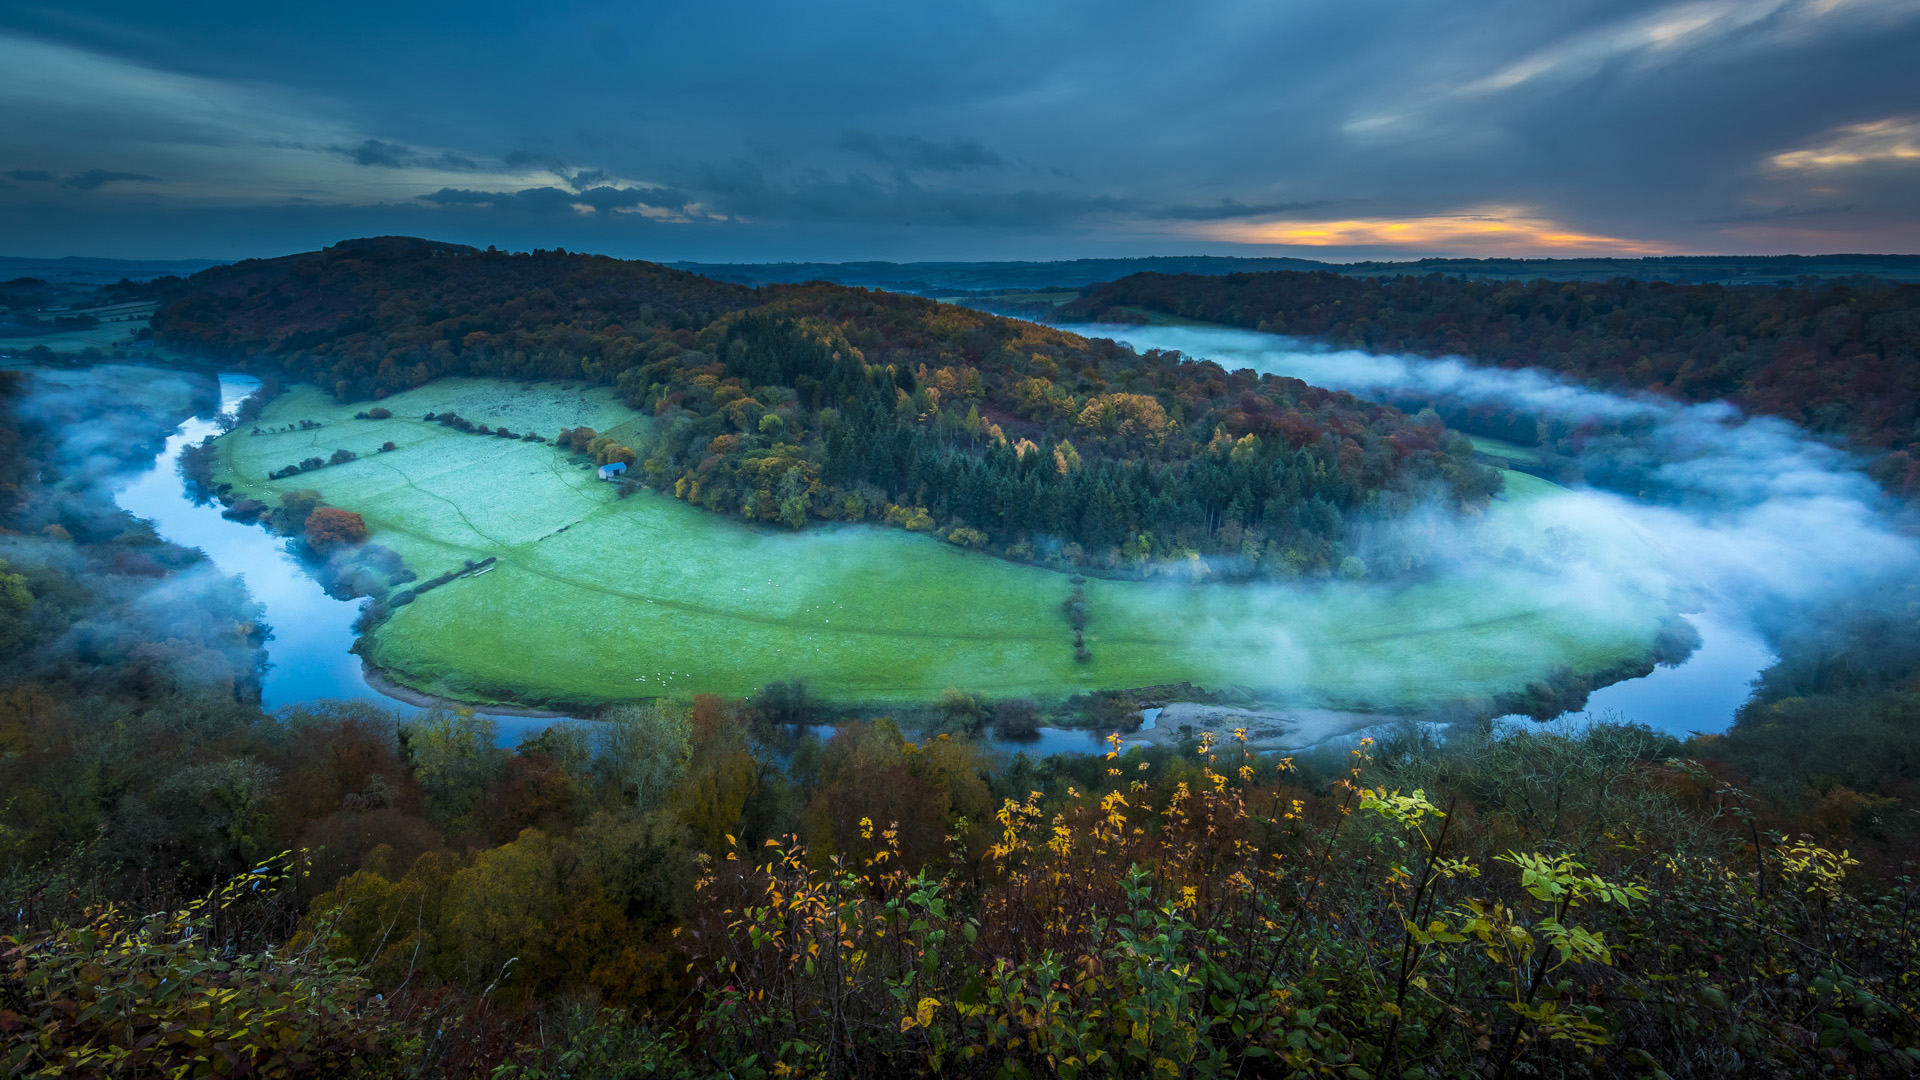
column 330, row 527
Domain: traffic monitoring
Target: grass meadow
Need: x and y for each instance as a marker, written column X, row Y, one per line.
column 597, row 598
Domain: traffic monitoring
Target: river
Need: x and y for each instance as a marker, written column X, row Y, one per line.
column 309, row 655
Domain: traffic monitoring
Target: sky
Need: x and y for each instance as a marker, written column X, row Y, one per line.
column 742, row 130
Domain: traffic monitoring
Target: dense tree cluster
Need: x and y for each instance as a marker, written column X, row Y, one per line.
column 367, row 318
column 1840, row 357
column 795, row 403
column 840, row 404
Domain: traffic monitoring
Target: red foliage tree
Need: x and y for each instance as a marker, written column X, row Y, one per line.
column 330, row 527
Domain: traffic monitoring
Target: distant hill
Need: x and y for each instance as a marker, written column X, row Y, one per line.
column 948, row 278
column 942, row 278
column 75, row 270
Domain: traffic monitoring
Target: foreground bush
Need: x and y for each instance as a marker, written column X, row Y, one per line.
column 1229, row 930
column 168, row 995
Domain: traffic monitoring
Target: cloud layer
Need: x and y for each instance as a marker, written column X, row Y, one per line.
column 1379, row 127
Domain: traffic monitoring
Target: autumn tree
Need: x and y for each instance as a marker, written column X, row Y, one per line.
column 454, row 757
column 15, row 601
column 870, row 773
column 329, row 528
column 641, row 750
column 961, row 713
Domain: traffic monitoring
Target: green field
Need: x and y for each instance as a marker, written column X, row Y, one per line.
column 1500, row 448
column 597, row 598
column 118, row 323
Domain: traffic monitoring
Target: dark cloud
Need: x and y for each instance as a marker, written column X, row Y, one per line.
column 553, row 200
column 391, row 155
column 375, row 152
column 1160, row 127
column 587, row 178
column 914, row 152
column 462, row 197
column 93, row 178
column 743, row 188
column 1784, row 213
column 1232, row 208
column 528, row 159
column 83, row 181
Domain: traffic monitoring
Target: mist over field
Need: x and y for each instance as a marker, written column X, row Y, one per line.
column 1751, row 513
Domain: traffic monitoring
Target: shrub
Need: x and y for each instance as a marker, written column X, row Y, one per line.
column 1113, row 711
column 1075, row 608
column 248, row 510
column 1016, row 718
column 961, row 713
column 170, row 995
column 295, row 507
column 330, row 527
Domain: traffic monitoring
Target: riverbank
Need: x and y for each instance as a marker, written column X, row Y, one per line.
column 378, row 680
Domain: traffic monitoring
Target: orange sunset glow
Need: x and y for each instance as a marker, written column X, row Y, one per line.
column 1487, row 231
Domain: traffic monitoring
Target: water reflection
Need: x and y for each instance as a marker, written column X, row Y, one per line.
column 1700, row 695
